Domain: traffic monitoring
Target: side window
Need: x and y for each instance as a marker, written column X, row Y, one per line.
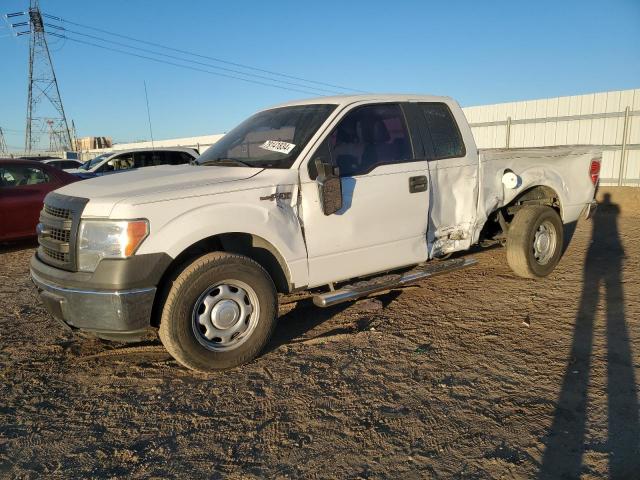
column 70, row 164
column 19, row 176
column 142, row 159
column 445, row 135
column 177, row 158
column 184, row 158
column 369, row 136
column 157, row 158
column 121, row 162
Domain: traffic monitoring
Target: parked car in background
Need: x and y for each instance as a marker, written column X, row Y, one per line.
column 114, row 162
column 39, row 158
column 63, row 164
column 23, row 186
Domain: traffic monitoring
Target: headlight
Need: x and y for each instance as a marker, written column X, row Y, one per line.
column 100, row 239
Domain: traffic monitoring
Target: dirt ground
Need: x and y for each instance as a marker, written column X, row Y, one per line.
column 478, row 374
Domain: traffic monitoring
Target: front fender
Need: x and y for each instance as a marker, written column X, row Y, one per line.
column 274, row 221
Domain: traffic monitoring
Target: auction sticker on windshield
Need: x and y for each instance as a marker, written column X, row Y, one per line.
column 278, row 146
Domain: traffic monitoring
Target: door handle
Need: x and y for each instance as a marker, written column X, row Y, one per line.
column 418, row 184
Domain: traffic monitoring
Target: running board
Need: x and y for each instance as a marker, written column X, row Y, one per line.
column 388, row 282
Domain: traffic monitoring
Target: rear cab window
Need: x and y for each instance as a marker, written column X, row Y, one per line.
column 442, row 137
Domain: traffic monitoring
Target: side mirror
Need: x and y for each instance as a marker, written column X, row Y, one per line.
column 329, row 186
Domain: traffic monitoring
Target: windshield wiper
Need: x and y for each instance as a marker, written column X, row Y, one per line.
column 234, row 161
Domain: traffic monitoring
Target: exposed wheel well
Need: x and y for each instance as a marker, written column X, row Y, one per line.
column 498, row 222
column 539, row 195
column 252, row 246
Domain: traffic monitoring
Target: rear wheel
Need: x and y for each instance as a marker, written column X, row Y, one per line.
column 534, row 241
column 220, row 312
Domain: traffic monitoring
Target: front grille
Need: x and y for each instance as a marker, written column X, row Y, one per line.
column 58, row 229
column 60, row 235
column 57, row 212
column 57, row 256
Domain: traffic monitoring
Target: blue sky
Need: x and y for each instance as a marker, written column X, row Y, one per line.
column 475, row 51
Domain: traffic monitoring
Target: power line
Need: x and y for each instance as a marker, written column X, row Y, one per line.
column 181, row 65
column 262, row 77
column 146, row 96
column 215, row 59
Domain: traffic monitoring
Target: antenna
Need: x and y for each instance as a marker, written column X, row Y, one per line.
column 148, row 113
column 43, row 85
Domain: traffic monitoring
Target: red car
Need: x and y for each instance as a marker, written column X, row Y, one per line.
column 23, row 186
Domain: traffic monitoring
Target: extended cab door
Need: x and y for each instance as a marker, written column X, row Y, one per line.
column 385, row 181
column 449, row 145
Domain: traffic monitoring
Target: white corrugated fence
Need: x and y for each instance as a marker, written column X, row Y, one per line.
column 610, row 120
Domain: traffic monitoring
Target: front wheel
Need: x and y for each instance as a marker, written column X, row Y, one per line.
column 534, row 241
column 219, row 313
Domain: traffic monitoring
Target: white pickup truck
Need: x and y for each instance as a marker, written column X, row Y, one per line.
column 341, row 196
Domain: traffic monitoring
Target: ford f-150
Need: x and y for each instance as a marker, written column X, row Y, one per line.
column 340, row 196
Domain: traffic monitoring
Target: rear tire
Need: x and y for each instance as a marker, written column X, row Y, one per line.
column 219, row 313
column 534, row 241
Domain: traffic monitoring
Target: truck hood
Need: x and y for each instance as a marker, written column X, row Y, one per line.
column 158, row 183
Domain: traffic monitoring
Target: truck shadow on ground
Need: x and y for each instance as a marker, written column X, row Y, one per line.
column 304, row 317
column 565, row 441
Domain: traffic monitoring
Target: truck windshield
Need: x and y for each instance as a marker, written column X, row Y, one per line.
column 269, row 139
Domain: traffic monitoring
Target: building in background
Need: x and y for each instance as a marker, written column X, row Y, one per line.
column 92, row 143
column 609, row 120
column 200, row 144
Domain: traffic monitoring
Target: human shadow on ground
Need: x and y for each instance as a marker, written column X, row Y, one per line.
column 565, row 441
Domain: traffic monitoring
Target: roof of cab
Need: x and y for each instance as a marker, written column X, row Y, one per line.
column 365, row 98
column 20, row 161
column 150, row 149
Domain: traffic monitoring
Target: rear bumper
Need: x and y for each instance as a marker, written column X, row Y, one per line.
column 119, row 313
column 590, row 209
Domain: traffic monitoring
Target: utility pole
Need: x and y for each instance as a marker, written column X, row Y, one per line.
column 43, row 85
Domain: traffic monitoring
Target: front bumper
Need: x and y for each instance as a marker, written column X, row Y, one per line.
column 115, row 313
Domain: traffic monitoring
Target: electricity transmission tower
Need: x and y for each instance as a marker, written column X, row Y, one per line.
column 3, row 145
column 43, row 85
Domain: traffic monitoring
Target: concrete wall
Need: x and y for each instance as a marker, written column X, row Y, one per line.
column 610, row 120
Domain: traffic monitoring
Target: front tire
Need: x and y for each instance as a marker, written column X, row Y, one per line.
column 534, row 241
column 219, row 313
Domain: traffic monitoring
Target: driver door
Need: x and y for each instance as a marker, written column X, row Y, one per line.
column 382, row 224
